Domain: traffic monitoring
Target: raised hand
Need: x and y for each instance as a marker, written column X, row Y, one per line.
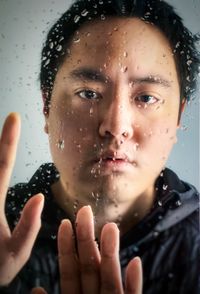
column 88, row 270
column 16, row 246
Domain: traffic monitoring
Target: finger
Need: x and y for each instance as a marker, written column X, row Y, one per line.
column 38, row 290
column 26, row 231
column 111, row 281
column 68, row 265
column 16, row 250
column 133, row 280
column 8, row 147
column 88, row 251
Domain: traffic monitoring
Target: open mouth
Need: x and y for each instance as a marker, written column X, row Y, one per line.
column 115, row 164
column 111, row 159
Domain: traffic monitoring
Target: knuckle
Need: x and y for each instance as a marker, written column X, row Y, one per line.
column 88, row 268
column 109, row 286
column 67, row 275
column 3, row 163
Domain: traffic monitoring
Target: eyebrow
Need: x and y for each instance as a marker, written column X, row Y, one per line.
column 89, row 74
column 153, row 79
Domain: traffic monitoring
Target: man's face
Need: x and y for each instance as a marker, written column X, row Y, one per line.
column 114, row 111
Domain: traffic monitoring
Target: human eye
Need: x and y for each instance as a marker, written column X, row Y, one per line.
column 146, row 99
column 88, row 94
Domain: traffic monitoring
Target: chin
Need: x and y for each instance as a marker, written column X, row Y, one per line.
column 115, row 189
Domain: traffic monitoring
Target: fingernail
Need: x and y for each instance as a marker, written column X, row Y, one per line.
column 137, row 259
column 65, row 221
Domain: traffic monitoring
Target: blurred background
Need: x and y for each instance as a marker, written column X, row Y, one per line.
column 23, row 28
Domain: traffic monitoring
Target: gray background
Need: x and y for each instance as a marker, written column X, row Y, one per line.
column 23, row 27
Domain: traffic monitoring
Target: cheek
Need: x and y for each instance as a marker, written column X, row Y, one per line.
column 159, row 141
column 71, row 132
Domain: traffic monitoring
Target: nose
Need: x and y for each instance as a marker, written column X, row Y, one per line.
column 117, row 120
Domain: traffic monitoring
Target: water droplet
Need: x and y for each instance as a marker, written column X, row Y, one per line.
column 59, row 48
column 79, row 147
column 165, row 187
column 184, row 128
column 103, row 17
column 96, row 197
column 105, row 65
column 155, row 234
column 76, row 39
column 51, row 45
column 91, row 111
column 135, row 248
column 76, row 202
column 77, row 18
column 61, row 39
column 189, row 62
column 124, row 69
column 84, row 12
column 131, row 84
column 61, row 144
column 47, row 62
column 125, row 54
column 178, row 203
column 159, row 203
column 93, row 171
column 136, row 146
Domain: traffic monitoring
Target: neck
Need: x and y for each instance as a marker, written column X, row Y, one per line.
column 125, row 215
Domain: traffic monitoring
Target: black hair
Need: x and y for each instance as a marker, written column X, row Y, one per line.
column 156, row 12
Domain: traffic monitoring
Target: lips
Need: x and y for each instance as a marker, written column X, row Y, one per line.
column 115, row 157
column 111, row 162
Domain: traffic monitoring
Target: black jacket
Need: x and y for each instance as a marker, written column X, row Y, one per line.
column 167, row 239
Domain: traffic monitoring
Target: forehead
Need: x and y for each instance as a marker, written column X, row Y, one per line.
column 129, row 44
column 116, row 34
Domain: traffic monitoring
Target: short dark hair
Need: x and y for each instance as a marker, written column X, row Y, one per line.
column 156, row 12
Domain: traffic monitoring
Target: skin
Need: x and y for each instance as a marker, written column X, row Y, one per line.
column 79, row 273
column 15, row 246
column 133, row 93
column 135, row 103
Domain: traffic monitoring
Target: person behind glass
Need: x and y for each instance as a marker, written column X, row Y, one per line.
column 115, row 78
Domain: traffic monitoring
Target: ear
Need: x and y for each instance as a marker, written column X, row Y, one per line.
column 45, row 102
column 46, row 126
column 181, row 110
